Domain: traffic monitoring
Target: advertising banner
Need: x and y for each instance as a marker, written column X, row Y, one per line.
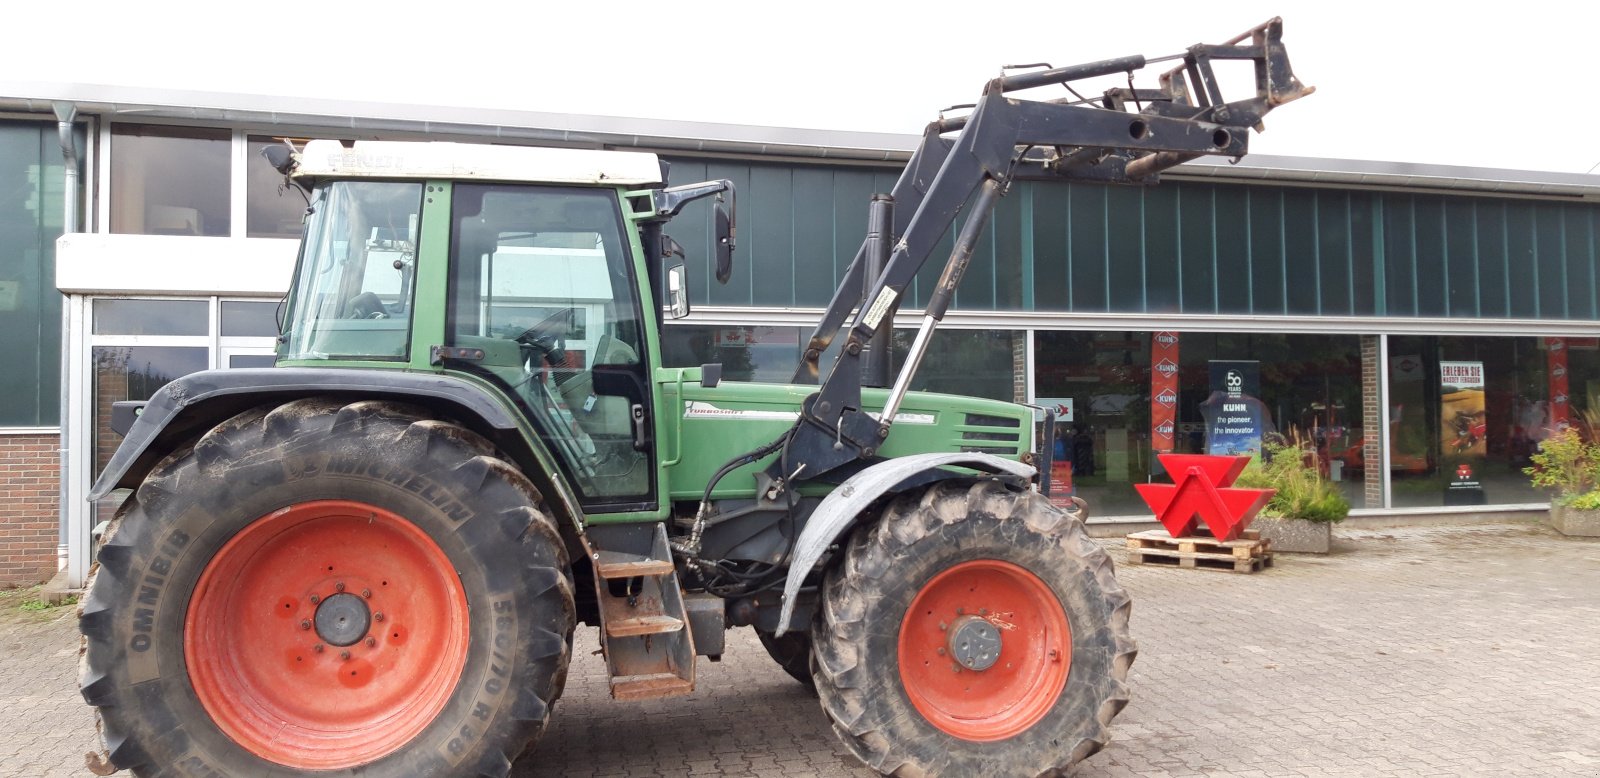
column 1235, row 416
column 1555, row 350
column 1463, row 418
column 1163, row 391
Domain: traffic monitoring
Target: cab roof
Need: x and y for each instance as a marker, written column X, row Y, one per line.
column 440, row 160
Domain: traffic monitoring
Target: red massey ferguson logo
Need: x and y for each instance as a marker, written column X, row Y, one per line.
column 1463, row 472
column 1202, row 490
column 1165, row 367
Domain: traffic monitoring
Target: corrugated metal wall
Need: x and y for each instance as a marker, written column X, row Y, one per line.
column 1180, row 247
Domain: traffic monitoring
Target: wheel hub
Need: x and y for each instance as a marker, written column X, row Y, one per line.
column 974, row 643
column 343, row 619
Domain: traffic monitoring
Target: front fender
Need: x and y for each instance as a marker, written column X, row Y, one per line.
column 841, row 507
column 194, row 403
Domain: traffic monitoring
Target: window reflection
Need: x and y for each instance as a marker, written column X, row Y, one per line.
column 249, row 318
column 170, row 180
column 760, row 354
column 134, row 373
column 152, row 317
column 273, row 207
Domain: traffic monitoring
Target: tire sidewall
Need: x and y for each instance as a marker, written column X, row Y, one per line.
column 182, row 530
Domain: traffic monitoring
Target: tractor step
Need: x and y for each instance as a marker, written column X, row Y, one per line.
column 646, row 611
column 617, row 564
column 643, row 621
column 626, row 555
column 651, row 686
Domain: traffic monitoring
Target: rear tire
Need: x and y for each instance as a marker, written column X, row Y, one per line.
column 1001, row 580
column 332, row 588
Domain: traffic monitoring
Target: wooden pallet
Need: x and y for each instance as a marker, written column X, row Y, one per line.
column 1249, row 554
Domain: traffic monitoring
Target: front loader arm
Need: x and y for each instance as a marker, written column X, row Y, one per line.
column 1001, row 139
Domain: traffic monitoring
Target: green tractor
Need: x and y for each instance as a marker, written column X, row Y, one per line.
column 371, row 558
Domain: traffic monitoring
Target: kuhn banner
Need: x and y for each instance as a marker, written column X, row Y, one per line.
column 1163, row 391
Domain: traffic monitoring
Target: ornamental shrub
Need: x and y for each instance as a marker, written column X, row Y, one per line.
column 1570, row 466
column 1294, row 470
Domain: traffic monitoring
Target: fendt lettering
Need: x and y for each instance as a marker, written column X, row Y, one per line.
column 372, row 557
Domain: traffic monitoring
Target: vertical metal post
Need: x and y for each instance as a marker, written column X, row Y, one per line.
column 880, row 240
column 1383, row 414
column 66, row 112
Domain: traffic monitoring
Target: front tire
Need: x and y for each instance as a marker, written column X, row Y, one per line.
column 333, row 588
column 972, row 630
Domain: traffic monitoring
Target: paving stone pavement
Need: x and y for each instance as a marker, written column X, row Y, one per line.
column 1460, row 650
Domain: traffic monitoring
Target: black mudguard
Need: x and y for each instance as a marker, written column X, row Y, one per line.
column 195, row 403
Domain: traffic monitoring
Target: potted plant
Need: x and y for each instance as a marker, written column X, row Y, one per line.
column 1570, row 466
column 1301, row 515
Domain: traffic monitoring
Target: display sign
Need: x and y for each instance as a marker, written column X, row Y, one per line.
column 1555, row 350
column 1463, row 417
column 1061, row 405
column 1235, row 416
column 1163, row 391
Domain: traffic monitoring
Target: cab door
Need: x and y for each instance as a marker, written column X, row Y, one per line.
column 542, row 281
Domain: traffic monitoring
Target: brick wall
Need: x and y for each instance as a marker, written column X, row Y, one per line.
column 1019, row 367
column 30, row 525
column 1371, row 423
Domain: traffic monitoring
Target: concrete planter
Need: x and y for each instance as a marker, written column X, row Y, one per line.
column 1299, row 535
column 1571, row 521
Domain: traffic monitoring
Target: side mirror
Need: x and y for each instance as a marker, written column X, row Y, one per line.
column 677, row 305
column 725, row 238
column 280, row 157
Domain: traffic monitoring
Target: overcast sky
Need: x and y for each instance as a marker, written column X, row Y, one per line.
column 1469, row 83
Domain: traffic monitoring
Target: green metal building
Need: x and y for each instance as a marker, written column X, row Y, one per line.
column 1354, row 294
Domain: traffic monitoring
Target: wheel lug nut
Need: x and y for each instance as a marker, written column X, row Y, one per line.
column 961, row 611
column 338, row 587
column 366, row 593
column 344, row 654
column 378, row 616
column 305, row 624
column 315, row 599
column 943, row 626
column 941, row 650
column 372, row 642
column 317, row 648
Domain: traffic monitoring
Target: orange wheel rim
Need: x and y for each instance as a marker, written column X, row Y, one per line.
column 326, row 635
column 984, row 650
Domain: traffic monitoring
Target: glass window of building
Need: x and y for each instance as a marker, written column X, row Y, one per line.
column 170, row 180
column 274, row 208
column 1133, row 395
column 979, row 363
column 1473, row 409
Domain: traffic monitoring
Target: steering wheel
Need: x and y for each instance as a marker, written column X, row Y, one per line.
column 366, row 306
column 546, row 340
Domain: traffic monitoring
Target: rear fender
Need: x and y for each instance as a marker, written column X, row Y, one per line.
column 189, row 406
column 840, row 509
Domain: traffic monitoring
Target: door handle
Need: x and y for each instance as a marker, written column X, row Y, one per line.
column 638, row 427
